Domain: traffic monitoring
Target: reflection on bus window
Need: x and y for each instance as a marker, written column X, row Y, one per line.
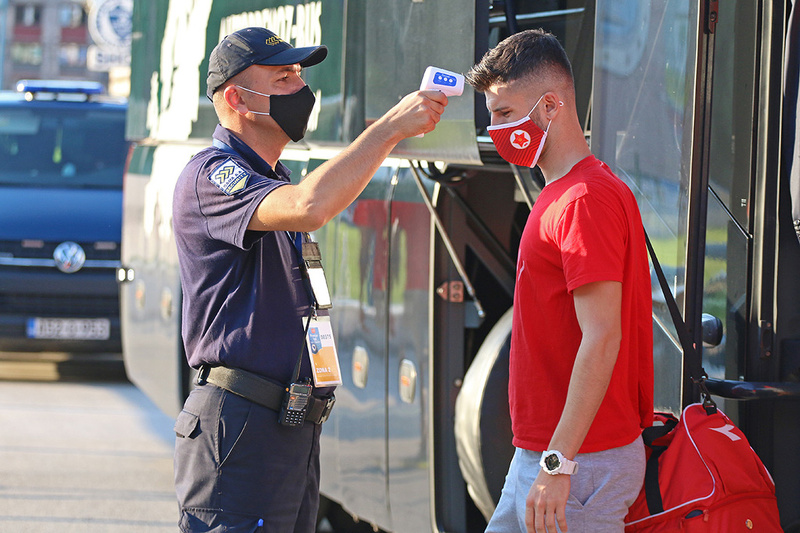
column 641, row 127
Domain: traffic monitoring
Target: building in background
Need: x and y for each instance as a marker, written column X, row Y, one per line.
column 66, row 39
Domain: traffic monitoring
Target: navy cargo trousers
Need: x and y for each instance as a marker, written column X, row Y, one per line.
column 238, row 469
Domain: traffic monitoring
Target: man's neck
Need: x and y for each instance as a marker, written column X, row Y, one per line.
column 557, row 163
column 557, row 171
column 261, row 143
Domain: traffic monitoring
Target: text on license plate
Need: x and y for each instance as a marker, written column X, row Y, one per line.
column 69, row 328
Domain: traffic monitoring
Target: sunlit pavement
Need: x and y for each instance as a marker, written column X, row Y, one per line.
column 81, row 456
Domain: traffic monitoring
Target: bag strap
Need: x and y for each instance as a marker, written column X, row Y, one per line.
column 694, row 361
column 653, row 433
column 652, row 491
column 692, row 357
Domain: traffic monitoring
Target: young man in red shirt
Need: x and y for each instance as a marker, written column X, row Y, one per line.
column 581, row 367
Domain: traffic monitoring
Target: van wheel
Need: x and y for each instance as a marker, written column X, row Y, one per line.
column 483, row 424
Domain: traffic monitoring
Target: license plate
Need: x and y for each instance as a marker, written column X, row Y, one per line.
column 69, row 328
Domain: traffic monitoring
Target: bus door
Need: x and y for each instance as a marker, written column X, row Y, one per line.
column 686, row 110
column 747, row 272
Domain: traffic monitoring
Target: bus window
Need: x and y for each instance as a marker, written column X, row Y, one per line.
column 642, row 127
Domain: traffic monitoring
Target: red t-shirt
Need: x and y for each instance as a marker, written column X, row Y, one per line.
column 584, row 227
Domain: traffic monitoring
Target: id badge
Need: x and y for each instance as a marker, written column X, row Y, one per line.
column 322, row 351
column 316, row 275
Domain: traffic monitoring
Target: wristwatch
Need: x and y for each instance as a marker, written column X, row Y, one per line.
column 553, row 462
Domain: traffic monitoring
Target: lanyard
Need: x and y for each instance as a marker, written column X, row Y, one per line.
column 297, row 244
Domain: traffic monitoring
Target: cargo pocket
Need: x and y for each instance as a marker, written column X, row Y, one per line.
column 194, row 520
column 186, row 425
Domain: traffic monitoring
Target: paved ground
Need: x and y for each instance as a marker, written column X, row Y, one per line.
column 78, row 456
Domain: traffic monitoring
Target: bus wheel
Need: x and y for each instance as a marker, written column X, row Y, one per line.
column 332, row 518
column 483, row 424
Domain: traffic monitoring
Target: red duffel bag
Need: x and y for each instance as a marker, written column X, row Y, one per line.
column 702, row 476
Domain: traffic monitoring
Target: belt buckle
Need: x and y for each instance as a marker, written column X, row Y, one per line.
column 326, row 412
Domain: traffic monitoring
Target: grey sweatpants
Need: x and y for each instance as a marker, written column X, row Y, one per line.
column 605, row 485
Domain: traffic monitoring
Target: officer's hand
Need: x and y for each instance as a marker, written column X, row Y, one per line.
column 416, row 113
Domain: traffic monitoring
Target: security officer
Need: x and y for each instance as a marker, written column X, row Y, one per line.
column 247, row 451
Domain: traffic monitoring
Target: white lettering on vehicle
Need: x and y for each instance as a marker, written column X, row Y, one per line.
column 175, row 88
column 299, row 25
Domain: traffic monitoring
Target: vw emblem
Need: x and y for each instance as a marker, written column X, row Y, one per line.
column 69, row 257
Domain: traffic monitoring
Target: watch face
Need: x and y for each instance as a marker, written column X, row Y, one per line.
column 552, row 462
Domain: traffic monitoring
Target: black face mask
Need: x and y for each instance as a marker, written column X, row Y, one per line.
column 290, row 111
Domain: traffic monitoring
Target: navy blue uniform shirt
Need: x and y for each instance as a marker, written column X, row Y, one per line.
column 244, row 299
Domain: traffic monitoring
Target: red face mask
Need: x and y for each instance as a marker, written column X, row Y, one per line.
column 520, row 142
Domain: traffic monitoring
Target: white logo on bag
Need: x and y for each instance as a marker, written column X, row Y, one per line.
column 727, row 430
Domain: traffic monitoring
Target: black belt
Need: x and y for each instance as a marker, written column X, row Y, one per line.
column 261, row 390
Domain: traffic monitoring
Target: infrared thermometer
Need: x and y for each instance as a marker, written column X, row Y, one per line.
column 450, row 83
column 439, row 79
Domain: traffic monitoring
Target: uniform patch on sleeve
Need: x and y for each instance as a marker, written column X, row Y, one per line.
column 229, row 177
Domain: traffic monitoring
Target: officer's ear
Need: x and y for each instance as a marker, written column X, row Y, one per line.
column 232, row 96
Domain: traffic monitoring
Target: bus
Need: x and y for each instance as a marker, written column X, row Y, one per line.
column 691, row 103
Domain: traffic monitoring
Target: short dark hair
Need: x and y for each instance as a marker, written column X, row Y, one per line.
column 523, row 54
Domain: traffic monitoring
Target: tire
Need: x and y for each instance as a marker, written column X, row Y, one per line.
column 483, row 424
column 333, row 519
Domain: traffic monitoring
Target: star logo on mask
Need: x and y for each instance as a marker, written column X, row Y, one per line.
column 520, row 139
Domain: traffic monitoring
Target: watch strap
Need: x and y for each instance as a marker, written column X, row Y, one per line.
column 568, row 467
